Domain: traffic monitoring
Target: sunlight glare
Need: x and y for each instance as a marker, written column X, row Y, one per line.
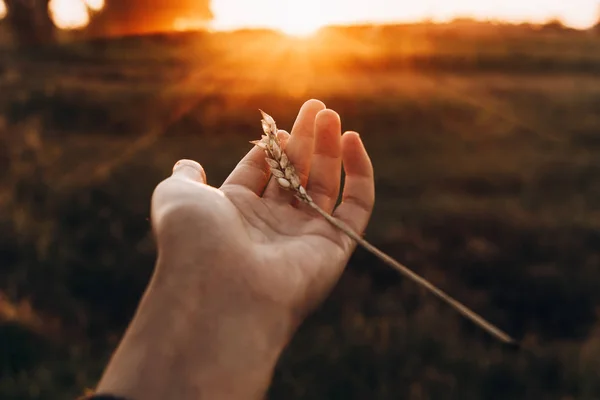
column 69, row 14
column 3, row 9
column 302, row 17
column 95, row 5
column 293, row 17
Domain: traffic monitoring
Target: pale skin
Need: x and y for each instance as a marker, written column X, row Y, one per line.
column 239, row 267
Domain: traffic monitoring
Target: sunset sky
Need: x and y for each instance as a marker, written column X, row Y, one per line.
column 305, row 16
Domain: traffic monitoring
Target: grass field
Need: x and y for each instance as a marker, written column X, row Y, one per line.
column 486, row 145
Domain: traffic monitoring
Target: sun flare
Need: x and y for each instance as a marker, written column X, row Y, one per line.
column 73, row 14
column 300, row 28
column 69, row 14
column 300, row 18
column 292, row 17
column 95, row 5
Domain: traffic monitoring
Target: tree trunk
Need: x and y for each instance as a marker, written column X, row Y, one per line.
column 30, row 22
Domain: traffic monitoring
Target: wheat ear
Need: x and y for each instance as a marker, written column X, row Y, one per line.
column 285, row 174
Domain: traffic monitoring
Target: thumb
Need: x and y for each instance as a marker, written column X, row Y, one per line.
column 188, row 169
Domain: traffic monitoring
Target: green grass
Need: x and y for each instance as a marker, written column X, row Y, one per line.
column 485, row 147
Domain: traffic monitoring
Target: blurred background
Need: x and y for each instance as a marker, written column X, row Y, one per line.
column 483, row 123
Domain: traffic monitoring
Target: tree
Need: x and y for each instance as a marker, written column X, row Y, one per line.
column 554, row 24
column 141, row 16
column 29, row 21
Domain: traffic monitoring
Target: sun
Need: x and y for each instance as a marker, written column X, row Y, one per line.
column 300, row 24
column 299, row 17
column 292, row 17
column 304, row 29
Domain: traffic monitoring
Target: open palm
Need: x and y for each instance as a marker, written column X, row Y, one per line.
column 252, row 236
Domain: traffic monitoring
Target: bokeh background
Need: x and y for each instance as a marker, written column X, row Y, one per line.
column 485, row 138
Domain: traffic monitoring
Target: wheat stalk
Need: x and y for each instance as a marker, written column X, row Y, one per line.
column 287, row 178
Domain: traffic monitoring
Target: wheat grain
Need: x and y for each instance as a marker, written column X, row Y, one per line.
column 280, row 165
column 287, row 178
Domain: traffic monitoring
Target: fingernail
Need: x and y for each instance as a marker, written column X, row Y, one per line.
column 190, row 169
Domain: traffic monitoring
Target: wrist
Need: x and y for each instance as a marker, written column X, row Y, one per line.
column 191, row 339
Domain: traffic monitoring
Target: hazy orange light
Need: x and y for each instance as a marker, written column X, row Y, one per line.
column 189, row 24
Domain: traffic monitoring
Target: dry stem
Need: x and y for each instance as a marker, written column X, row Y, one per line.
column 286, row 176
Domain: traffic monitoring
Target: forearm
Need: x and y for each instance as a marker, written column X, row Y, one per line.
column 182, row 346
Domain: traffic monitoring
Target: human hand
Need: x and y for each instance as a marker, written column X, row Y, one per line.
column 280, row 250
column 244, row 264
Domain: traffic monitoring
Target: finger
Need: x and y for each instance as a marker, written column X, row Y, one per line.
column 301, row 144
column 284, row 138
column 252, row 172
column 324, row 179
column 189, row 169
column 299, row 149
column 359, row 188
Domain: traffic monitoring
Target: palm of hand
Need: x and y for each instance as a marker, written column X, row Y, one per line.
column 250, row 227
